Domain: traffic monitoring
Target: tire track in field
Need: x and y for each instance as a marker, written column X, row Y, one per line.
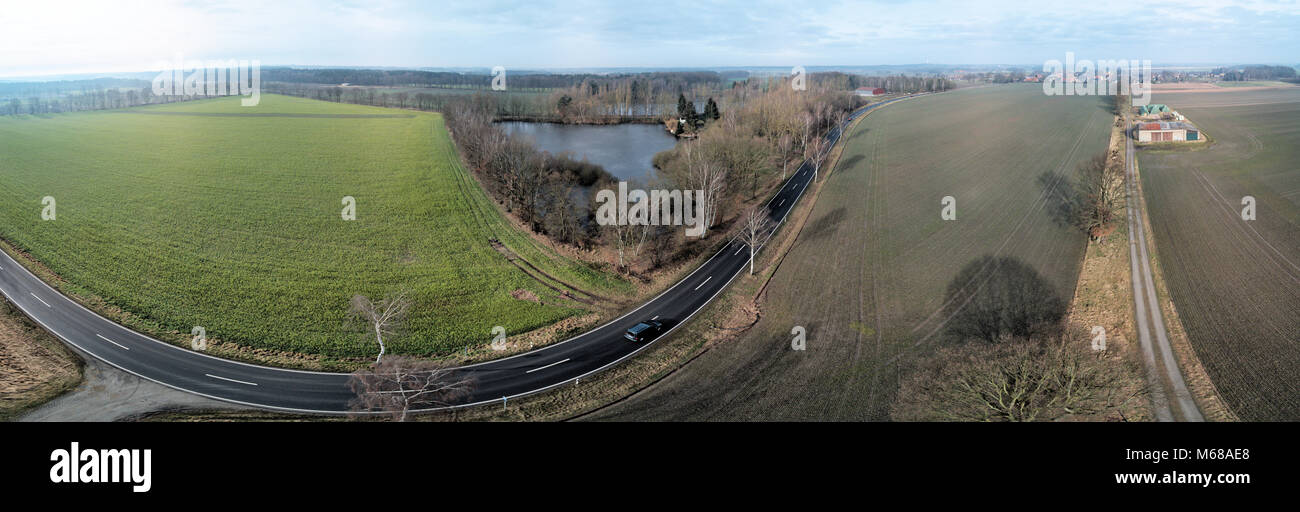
column 1038, row 205
column 1227, row 207
column 1011, row 235
column 873, row 239
column 1246, row 248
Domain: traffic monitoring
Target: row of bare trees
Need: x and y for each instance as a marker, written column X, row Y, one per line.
column 893, row 83
column 641, row 95
column 539, row 188
column 770, row 134
column 90, row 99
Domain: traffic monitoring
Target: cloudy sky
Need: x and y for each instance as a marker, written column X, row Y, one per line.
column 50, row 36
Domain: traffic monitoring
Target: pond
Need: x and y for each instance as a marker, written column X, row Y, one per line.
column 625, row 150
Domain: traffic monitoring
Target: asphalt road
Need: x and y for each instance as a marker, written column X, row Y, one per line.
column 1165, row 378
column 319, row 392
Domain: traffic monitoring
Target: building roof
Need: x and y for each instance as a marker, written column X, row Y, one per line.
column 1166, row 125
column 1154, row 108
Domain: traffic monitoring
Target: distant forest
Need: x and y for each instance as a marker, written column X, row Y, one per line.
column 408, row 78
column 27, row 90
column 1257, row 72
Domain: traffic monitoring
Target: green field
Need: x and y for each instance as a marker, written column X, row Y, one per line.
column 1235, row 283
column 233, row 222
column 870, row 273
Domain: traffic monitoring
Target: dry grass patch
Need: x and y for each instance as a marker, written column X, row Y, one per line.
column 34, row 367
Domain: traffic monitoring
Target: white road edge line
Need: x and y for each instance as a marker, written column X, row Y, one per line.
column 231, row 380
column 42, row 300
column 123, row 347
column 547, row 366
column 697, row 288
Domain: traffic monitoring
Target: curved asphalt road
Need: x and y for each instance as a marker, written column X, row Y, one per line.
column 318, row 392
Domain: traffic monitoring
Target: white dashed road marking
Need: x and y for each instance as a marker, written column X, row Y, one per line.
column 123, row 347
column 697, row 288
column 42, row 301
column 547, row 366
column 231, row 380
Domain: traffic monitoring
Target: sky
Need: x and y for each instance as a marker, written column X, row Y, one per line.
column 40, row 37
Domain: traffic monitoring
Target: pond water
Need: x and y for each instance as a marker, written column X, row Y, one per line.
column 625, row 150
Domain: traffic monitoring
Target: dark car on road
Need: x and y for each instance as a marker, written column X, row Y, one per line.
column 644, row 331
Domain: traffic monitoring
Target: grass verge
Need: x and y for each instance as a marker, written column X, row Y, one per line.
column 34, row 366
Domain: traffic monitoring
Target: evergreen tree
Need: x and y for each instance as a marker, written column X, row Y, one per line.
column 711, row 110
column 681, row 106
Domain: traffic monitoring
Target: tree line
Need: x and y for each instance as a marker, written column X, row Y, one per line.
column 548, row 193
column 891, row 83
column 471, row 80
column 52, row 102
column 1256, row 72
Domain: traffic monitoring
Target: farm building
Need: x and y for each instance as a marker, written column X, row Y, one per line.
column 1166, row 131
column 1153, row 109
column 868, row 91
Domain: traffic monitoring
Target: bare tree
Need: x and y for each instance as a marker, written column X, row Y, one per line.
column 384, row 316
column 621, row 235
column 815, row 152
column 783, row 145
column 1058, row 379
column 1098, row 189
column 808, row 122
column 513, row 158
column 754, row 231
column 662, row 242
column 400, row 384
column 709, row 178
